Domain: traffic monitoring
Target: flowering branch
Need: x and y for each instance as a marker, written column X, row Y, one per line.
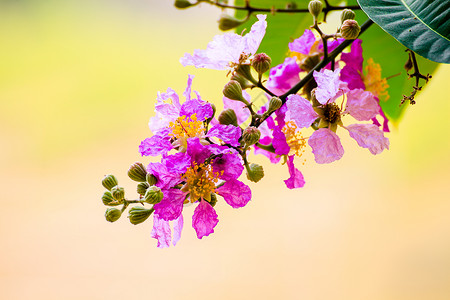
column 412, row 63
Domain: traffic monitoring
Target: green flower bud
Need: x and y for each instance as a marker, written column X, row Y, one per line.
column 182, row 4
column 142, row 188
column 109, row 182
column 139, row 214
column 118, row 193
column 228, row 117
column 244, row 71
column 261, row 63
column 213, row 114
column 109, row 200
column 153, row 195
column 227, row 22
column 233, row 91
column 274, row 104
column 245, row 84
column 151, row 179
column 112, row 214
column 213, row 200
column 251, row 135
column 255, row 172
column 137, row 172
column 350, row 29
column 347, row 14
column 315, row 8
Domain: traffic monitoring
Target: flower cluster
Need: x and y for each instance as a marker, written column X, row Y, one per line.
column 203, row 157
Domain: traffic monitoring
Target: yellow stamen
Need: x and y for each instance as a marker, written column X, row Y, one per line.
column 294, row 138
column 373, row 81
column 201, row 181
column 184, row 128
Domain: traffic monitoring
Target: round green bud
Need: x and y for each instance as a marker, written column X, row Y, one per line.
column 227, row 22
column 228, row 117
column 251, row 135
column 347, row 14
column 109, row 200
column 151, row 179
column 233, row 91
column 245, row 84
column 350, row 29
column 118, row 193
column 315, row 8
column 255, row 172
column 261, row 63
column 153, row 195
column 139, row 214
column 109, row 181
column 112, row 214
column 274, row 104
column 142, row 188
column 137, row 172
column 182, row 4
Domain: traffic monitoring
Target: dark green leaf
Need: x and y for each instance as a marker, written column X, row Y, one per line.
column 421, row 25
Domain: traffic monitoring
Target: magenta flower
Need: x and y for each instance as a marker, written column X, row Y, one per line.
column 284, row 76
column 228, row 49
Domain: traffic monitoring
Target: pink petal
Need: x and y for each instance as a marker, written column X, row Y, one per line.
column 236, row 193
column 177, row 228
column 296, row 180
column 328, row 85
column 253, row 39
column 362, row 105
column 204, row 219
column 301, row 110
column 304, row 43
column 369, row 136
column 161, row 232
column 171, row 206
column 326, row 146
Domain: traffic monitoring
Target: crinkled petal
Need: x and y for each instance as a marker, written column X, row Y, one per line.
column 279, row 142
column 164, row 178
column 304, row 43
column 171, row 205
column 362, row 105
column 369, row 136
column 301, row 111
column 229, row 164
column 229, row 134
column 236, row 193
column 204, row 219
column 354, row 58
column 353, row 78
column 177, row 228
column 197, row 152
column 252, row 40
column 155, row 145
column 326, row 146
column 178, row 162
column 161, row 232
column 187, row 92
column 328, row 85
column 296, row 179
column 284, row 76
column 203, row 110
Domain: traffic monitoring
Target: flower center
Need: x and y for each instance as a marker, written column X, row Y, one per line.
column 201, row 181
column 294, row 138
column 184, row 128
column 332, row 113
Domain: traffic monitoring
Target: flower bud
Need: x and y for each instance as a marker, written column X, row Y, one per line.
column 182, row 4
column 142, row 188
column 233, row 91
column 315, row 8
column 139, row 214
column 245, row 84
column 137, row 172
column 151, row 179
column 310, row 62
column 213, row 114
column 255, row 172
column 213, row 199
column 350, row 29
column 109, row 200
column 251, row 135
column 112, row 214
column 347, row 14
column 227, row 22
column 118, row 193
column 153, row 195
column 109, row 182
column 228, row 117
column 261, row 63
column 274, row 104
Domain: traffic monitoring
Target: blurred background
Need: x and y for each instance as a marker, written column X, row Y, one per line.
column 78, row 81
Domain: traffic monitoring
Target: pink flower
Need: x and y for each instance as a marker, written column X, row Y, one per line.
column 326, row 146
column 228, row 48
column 369, row 136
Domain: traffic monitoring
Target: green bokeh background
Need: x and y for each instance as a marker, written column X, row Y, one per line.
column 78, row 81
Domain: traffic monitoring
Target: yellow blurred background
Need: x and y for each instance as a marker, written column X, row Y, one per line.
column 78, row 81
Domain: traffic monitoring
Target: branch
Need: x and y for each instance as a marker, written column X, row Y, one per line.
column 416, row 74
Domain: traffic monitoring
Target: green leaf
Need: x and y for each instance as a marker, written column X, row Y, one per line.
column 421, row 25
